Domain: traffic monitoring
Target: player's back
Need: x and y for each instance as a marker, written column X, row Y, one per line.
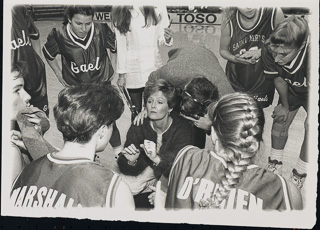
column 52, row 181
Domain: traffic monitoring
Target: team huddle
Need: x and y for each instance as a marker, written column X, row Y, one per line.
column 175, row 106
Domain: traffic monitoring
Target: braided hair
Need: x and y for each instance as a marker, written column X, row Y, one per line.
column 238, row 122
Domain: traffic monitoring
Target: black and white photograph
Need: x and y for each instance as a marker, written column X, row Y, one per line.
column 169, row 112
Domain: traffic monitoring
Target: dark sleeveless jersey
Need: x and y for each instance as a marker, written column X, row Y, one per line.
column 250, row 78
column 56, row 182
column 22, row 31
column 82, row 61
column 195, row 176
column 296, row 73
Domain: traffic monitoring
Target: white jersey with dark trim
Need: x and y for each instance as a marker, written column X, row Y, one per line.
column 52, row 181
column 196, row 174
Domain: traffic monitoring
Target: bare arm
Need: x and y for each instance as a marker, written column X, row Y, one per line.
column 124, row 198
column 225, row 40
column 57, row 70
column 281, row 110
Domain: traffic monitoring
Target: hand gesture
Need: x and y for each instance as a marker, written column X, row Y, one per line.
column 239, row 59
column 16, row 139
column 138, row 120
column 253, row 55
column 168, row 34
column 36, row 121
column 280, row 113
column 131, row 153
column 122, row 80
column 150, row 150
column 203, row 122
column 158, row 197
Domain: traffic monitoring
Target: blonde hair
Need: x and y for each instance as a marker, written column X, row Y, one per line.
column 238, row 121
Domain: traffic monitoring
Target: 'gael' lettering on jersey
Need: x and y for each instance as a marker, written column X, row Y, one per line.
column 296, row 83
column 85, row 67
column 250, row 38
column 24, row 41
column 39, row 197
column 238, row 198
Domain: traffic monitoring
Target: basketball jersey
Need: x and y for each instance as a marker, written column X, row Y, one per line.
column 82, row 62
column 22, row 31
column 63, row 182
column 195, row 176
column 250, row 78
column 296, row 73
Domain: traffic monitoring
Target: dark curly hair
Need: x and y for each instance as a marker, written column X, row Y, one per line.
column 76, row 9
column 82, row 110
column 202, row 92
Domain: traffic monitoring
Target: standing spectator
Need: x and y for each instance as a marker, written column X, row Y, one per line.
column 140, row 30
column 69, row 177
column 25, row 47
column 286, row 59
column 243, row 32
column 83, row 46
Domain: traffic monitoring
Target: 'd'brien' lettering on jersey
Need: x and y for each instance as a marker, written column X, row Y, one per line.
column 296, row 83
column 85, row 67
column 33, row 196
column 238, row 198
column 19, row 42
column 250, row 38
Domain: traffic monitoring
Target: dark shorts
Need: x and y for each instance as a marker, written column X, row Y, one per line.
column 264, row 99
column 295, row 101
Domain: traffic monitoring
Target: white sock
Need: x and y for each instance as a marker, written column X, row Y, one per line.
column 276, row 154
column 301, row 166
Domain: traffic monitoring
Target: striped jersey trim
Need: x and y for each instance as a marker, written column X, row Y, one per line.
column 65, row 161
column 179, row 155
column 47, row 52
column 295, row 59
column 111, row 194
column 255, row 26
column 272, row 18
column 285, row 192
column 270, row 72
column 71, row 34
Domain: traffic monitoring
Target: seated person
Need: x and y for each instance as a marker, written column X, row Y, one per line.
column 183, row 67
column 151, row 147
column 23, row 115
column 226, row 178
column 84, row 115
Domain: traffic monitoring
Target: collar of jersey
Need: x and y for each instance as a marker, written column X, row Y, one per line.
column 224, row 162
column 65, row 160
column 72, row 35
column 258, row 22
column 294, row 65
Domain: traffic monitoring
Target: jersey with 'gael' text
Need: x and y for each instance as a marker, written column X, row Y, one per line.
column 250, row 78
column 83, row 60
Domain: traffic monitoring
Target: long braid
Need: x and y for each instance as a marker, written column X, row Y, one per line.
column 238, row 121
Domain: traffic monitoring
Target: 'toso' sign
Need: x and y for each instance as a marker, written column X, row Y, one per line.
column 194, row 18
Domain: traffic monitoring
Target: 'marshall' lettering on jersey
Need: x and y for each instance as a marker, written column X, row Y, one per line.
column 238, row 198
column 40, row 197
column 85, row 67
column 24, row 41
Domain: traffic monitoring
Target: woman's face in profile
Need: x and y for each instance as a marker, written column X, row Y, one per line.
column 157, row 106
column 20, row 98
column 81, row 24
